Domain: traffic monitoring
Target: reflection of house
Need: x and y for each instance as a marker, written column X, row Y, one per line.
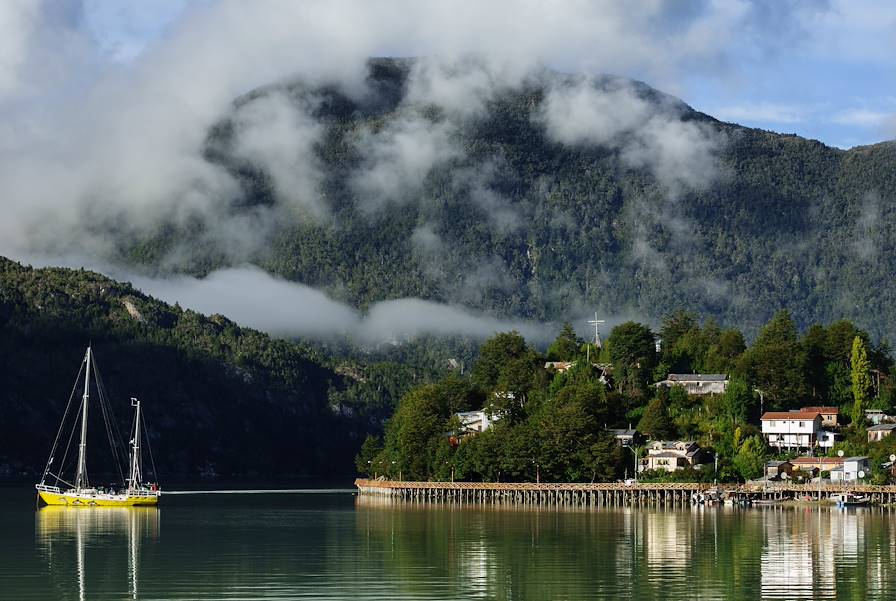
column 791, row 429
column 829, row 415
column 697, row 383
column 850, row 470
column 778, row 469
column 476, row 421
column 672, row 455
column 880, row 431
column 626, row 436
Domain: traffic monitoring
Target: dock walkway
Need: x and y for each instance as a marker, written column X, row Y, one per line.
column 606, row 493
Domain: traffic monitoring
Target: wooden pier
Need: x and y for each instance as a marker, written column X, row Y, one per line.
column 608, row 494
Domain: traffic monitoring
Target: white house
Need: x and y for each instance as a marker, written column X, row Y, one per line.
column 849, row 471
column 697, row 383
column 476, row 421
column 792, row 429
column 826, row 438
column 672, row 455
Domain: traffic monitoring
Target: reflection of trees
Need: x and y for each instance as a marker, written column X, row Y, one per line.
column 491, row 552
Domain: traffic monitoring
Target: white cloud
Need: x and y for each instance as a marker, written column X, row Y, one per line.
column 123, row 141
column 681, row 154
column 18, row 19
column 864, row 117
column 278, row 134
column 768, row 112
column 397, row 159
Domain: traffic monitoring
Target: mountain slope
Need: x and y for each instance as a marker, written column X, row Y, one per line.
column 510, row 207
column 220, row 400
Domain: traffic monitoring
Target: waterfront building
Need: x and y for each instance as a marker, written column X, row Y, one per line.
column 673, row 455
column 815, row 465
column 850, row 469
column 776, row 470
column 697, row 383
column 792, row 430
column 880, row 431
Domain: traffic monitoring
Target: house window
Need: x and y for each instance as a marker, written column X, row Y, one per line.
column 802, row 424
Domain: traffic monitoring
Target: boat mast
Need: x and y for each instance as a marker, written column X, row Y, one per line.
column 135, row 449
column 81, row 477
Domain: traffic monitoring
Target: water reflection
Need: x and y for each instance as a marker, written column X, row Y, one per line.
column 789, row 552
column 83, row 546
column 308, row 546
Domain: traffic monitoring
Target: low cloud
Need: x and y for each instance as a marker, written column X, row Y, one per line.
column 397, row 159
column 278, row 134
column 867, row 227
column 253, row 298
column 681, row 154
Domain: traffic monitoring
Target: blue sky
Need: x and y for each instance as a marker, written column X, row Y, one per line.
column 821, row 69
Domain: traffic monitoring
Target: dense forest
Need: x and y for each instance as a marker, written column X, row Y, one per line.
column 512, row 221
column 554, row 425
column 220, row 400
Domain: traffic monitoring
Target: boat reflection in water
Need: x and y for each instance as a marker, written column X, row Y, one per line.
column 70, row 537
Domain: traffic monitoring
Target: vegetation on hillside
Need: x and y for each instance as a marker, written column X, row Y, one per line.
column 515, row 223
column 553, row 425
column 220, row 400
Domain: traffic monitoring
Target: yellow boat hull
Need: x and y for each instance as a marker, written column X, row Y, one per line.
column 76, row 500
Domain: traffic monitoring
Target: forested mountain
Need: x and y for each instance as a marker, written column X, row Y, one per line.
column 545, row 199
column 220, row 400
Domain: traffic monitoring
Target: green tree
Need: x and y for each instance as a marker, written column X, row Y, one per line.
column 751, row 457
column 364, row 460
column 722, row 356
column 776, row 362
column 413, row 434
column 507, row 371
column 566, row 346
column 656, row 423
column 605, row 458
column 633, row 352
column 738, row 402
column 861, row 379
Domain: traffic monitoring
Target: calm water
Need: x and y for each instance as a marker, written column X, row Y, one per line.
column 337, row 546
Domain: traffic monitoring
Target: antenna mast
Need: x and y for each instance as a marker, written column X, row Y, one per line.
column 597, row 343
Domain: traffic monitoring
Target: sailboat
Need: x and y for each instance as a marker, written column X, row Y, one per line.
column 81, row 493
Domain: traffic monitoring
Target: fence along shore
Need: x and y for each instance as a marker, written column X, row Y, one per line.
column 609, row 493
